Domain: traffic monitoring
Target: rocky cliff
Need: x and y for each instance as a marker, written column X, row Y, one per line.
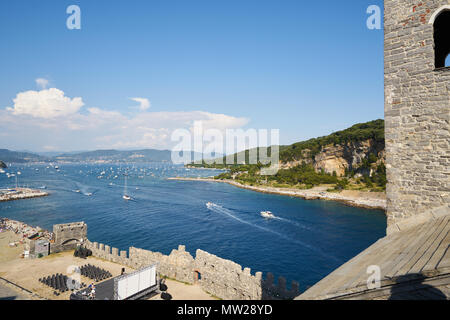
column 359, row 157
column 2, row 165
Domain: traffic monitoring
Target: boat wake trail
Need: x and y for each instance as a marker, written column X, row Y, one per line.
column 219, row 209
column 292, row 222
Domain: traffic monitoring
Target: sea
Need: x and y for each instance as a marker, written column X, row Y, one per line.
column 305, row 241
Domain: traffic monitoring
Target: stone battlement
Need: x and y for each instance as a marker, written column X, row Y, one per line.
column 220, row 277
column 72, row 225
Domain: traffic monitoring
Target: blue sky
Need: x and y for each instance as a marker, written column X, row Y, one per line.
column 306, row 68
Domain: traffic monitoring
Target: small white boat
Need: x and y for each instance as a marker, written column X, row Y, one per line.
column 125, row 197
column 267, row 214
column 88, row 194
column 77, row 191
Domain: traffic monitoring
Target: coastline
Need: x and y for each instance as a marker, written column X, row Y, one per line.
column 352, row 198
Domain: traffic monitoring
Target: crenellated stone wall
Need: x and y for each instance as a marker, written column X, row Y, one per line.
column 220, row 277
column 417, row 115
column 226, row 279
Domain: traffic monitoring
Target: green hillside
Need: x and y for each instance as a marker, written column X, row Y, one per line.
column 369, row 174
column 359, row 132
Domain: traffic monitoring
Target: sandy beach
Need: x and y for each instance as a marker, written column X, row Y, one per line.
column 362, row 199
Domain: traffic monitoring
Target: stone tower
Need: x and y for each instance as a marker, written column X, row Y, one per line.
column 417, row 111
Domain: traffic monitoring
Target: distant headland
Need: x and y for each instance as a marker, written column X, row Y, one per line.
column 351, row 160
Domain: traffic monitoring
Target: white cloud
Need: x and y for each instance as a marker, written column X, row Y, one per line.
column 42, row 83
column 144, row 103
column 49, row 118
column 48, row 103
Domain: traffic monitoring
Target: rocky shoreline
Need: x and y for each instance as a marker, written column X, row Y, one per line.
column 21, row 193
column 358, row 199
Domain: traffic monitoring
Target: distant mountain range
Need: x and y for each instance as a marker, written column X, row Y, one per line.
column 106, row 156
column 9, row 156
column 146, row 155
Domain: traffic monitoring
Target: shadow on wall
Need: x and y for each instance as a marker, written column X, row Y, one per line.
column 412, row 287
column 279, row 291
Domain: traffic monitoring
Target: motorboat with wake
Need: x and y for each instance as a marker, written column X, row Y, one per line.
column 209, row 205
column 125, row 195
column 267, row 214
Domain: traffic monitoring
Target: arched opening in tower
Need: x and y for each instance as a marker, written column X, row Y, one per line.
column 442, row 39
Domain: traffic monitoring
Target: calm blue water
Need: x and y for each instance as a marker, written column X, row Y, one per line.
column 306, row 241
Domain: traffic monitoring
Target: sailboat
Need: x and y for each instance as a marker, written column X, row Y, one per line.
column 125, row 196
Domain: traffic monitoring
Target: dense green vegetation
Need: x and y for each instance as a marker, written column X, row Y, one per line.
column 359, row 132
column 304, row 175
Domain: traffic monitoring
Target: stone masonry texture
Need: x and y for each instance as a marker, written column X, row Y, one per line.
column 222, row 278
column 417, row 115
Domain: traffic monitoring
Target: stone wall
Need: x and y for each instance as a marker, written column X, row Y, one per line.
column 417, row 116
column 226, row 279
column 220, row 277
column 68, row 235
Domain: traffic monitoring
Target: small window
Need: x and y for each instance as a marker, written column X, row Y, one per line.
column 442, row 39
